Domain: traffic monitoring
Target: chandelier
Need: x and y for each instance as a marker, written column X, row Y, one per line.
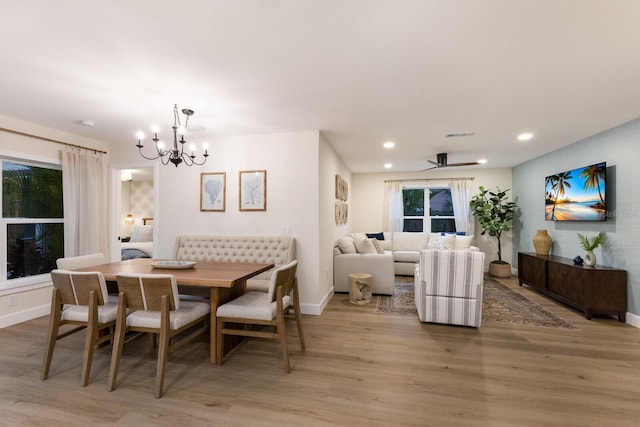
column 175, row 155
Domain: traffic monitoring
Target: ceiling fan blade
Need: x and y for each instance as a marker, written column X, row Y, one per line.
column 463, row 164
column 434, row 163
column 428, row 169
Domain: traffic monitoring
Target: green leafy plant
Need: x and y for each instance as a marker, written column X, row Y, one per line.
column 594, row 242
column 494, row 212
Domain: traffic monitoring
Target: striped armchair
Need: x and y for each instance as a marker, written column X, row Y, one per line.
column 448, row 287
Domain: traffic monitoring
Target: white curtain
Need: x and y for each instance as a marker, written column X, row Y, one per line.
column 461, row 196
column 393, row 212
column 85, row 189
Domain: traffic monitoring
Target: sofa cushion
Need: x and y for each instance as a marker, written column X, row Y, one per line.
column 386, row 245
column 363, row 244
column 405, row 241
column 377, row 246
column 463, row 242
column 406, row 256
column 346, row 245
column 443, row 242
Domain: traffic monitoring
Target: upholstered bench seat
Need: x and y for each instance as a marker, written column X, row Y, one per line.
column 279, row 250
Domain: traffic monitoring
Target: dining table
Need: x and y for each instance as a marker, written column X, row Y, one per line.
column 224, row 281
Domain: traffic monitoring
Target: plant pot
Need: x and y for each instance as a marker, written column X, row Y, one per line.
column 499, row 269
column 542, row 242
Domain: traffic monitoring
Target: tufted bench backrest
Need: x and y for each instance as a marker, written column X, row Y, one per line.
column 279, row 250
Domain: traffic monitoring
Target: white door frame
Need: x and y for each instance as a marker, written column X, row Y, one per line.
column 115, row 198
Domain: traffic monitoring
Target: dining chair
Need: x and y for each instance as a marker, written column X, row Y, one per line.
column 79, row 298
column 155, row 307
column 240, row 315
column 82, row 261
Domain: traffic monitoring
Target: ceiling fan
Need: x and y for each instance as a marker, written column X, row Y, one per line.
column 441, row 162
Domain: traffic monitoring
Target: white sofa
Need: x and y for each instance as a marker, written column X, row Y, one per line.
column 397, row 254
column 279, row 250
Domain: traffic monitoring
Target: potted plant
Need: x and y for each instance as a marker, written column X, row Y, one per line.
column 590, row 244
column 494, row 212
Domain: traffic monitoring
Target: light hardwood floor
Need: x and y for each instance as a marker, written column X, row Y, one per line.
column 360, row 369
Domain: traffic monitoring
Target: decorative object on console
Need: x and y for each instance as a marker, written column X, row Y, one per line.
column 253, row 190
column 578, row 260
column 494, row 213
column 213, row 191
column 590, row 244
column 175, row 155
column 542, row 242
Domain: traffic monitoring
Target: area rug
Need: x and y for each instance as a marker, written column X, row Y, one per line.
column 499, row 305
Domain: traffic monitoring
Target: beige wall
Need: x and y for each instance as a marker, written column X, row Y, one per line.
column 330, row 166
column 292, row 164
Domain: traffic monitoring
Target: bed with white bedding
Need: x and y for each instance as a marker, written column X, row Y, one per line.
column 140, row 245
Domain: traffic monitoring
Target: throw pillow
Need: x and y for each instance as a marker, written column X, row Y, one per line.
column 463, row 242
column 448, row 241
column 377, row 236
column 363, row 244
column 346, row 245
column 377, row 246
column 385, row 244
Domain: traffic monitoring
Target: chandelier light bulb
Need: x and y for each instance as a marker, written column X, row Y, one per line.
column 155, row 128
column 181, row 130
column 160, row 145
column 140, row 135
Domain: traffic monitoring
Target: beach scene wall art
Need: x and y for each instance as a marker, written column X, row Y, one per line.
column 577, row 195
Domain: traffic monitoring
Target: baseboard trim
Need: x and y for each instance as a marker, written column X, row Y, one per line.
column 632, row 319
column 24, row 315
column 317, row 309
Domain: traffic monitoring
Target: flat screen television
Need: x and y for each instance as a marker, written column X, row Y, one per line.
column 577, row 195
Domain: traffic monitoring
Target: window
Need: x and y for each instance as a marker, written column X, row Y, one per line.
column 432, row 215
column 32, row 218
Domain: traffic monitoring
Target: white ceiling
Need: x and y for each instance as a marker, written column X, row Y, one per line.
column 361, row 71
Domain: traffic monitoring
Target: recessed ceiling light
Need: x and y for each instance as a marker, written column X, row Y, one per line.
column 389, row 144
column 525, row 136
column 387, row 165
column 482, row 161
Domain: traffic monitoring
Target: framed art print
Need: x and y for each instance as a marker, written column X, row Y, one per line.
column 213, row 188
column 253, row 190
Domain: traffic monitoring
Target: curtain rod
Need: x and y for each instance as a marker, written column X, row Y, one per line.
column 17, row 132
column 429, row 179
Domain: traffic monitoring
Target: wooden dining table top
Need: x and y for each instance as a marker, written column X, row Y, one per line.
column 203, row 273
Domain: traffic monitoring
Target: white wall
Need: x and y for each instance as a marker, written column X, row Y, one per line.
column 619, row 148
column 27, row 302
column 368, row 198
column 330, row 166
column 291, row 162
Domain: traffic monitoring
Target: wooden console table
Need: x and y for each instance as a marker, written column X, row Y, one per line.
column 592, row 290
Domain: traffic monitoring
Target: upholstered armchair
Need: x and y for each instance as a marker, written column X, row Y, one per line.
column 448, row 287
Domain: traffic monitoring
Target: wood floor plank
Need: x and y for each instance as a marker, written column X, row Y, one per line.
column 360, row 369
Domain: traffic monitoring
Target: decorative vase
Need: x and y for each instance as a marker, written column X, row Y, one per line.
column 542, row 242
column 590, row 258
column 499, row 269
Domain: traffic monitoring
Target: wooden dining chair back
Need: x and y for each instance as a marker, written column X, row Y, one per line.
column 240, row 316
column 79, row 298
column 150, row 303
